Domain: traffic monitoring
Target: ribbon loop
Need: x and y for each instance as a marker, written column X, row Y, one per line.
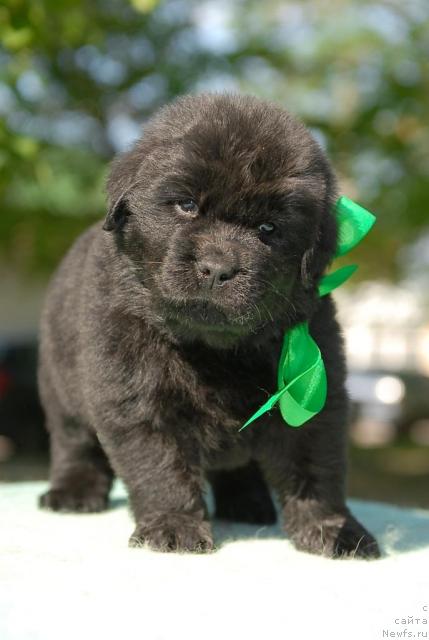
column 354, row 222
column 302, row 374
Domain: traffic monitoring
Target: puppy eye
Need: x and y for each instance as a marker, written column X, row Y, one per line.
column 188, row 206
column 266, row 227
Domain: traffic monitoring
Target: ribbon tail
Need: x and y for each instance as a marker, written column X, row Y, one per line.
column 269, row 404
column 335, row 279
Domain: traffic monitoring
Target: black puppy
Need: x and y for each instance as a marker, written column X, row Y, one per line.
column 163, row 329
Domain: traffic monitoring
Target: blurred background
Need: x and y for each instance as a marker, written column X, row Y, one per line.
column 77, row 82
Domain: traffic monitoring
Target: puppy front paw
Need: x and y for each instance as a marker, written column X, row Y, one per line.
column 337, row 537
column 173, row 532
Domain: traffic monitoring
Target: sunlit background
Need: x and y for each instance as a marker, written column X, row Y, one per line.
column 77, row 82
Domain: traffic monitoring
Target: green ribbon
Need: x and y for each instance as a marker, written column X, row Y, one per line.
column 301, row 377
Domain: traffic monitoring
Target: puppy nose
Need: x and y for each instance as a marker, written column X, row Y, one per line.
column 215, row 272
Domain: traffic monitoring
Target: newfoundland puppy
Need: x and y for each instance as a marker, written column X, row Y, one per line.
column 163, row 328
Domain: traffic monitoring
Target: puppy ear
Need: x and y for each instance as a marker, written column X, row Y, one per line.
column 317, row 258
column 122, row 178
column 117, row 215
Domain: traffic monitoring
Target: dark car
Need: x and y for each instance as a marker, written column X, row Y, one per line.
column 387, row 405
column 21, row 417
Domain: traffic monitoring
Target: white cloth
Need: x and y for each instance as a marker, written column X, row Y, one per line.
column 65, row 577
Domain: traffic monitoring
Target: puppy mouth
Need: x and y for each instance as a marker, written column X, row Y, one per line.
column 205, row 316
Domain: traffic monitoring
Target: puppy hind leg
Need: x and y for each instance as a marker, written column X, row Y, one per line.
column 80, row 474
column 242, row 495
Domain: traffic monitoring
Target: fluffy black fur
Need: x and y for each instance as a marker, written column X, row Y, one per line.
column 161, row 334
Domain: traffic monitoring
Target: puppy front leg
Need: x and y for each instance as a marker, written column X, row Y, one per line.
column 307, row 467
column 165, row 486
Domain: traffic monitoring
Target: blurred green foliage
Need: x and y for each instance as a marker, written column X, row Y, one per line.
column 78, row 77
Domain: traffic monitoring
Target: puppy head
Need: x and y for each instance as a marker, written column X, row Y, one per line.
column 224, row 211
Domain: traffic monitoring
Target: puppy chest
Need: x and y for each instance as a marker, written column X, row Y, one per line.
column 222, row 389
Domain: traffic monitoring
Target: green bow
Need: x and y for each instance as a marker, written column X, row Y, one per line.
column 301, row 376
